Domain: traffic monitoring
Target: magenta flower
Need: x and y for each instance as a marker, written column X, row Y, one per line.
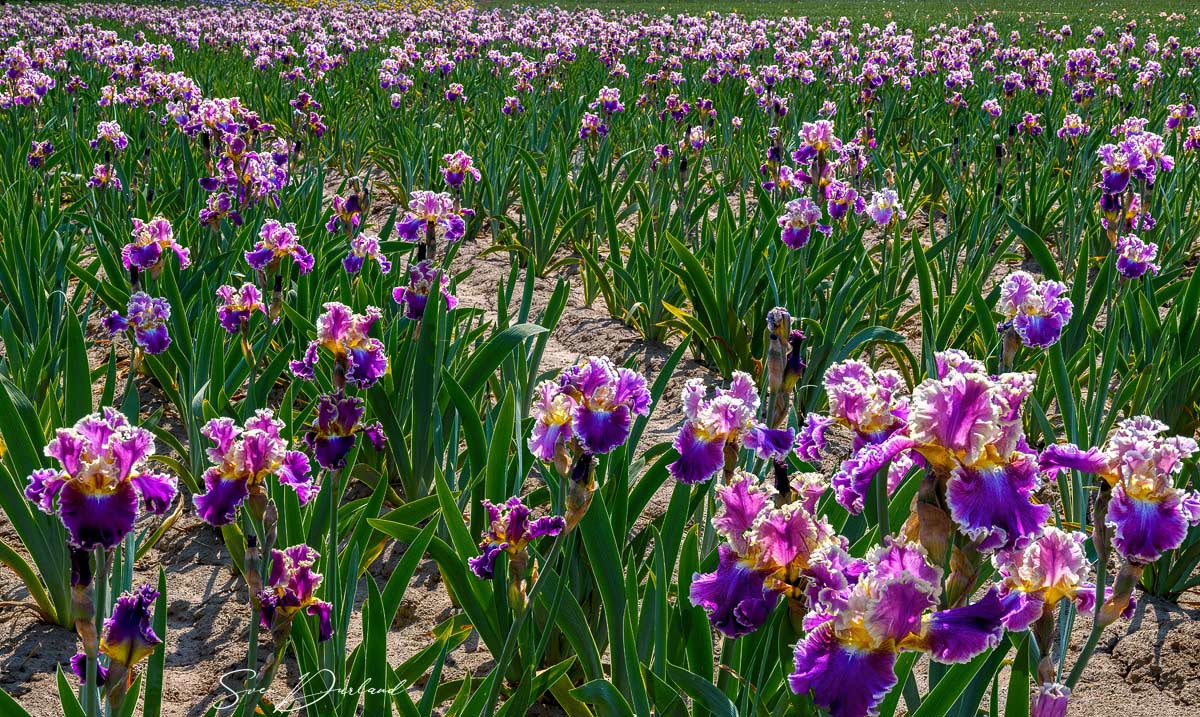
column 362, row 248
column 358, row 358
column 431, row 212
column 885, row 206
column 38, row 153
column 509, row 530
column 146, row 317
column 1036, row 311
column 238, row 306
column 104, row 177
column 347, row 214
column 967, row 425
column 457, row 167
column 846, row 661
column 590, row 410
column 592, row 127
column 103, row 470
column 1073, row 127
column 423, row 279
column 110, row 135
column 734, row 596
column 1053, row 566
column 277, row 242
column 713, row 424
column 243, row 458
column 337, row 427
column 1150, row 515
column 1136, row 257
column 150, row 240
column 799, row 218
column 291, row 588
column 608, row 101
column 842, row 200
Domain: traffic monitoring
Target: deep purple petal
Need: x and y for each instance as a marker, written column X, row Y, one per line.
column 100, row 520
column 846, row 681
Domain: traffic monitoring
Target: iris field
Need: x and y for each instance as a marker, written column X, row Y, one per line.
column 933, row 270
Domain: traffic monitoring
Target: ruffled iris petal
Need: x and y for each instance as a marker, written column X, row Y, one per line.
column 734, row 596
column 601, row 431
column 961, row 633
column 992, row 504
column 1146, row 529
column 846, row 681
column 219, row 505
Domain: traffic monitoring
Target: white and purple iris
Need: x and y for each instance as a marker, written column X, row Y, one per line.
column 291, row 588
column 146, row 317
column 509, row 530
column 424, row 278
column 868, row 613
column 103, row 470
column 276, row 242
column 1148, row 513
column 1037, row 312
column 243, row 458
column 589, row 410
column 800, row 217
column 431, row 212
column 358, row 357
column 150, row 242
column 1136, row 257
column 238, row 306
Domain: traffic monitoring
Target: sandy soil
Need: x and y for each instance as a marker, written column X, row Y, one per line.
column 1146, row 667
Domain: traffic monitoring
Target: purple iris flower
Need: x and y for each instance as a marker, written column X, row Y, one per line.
column 885, row 206
column 842, row 199
column 238, row 306
column 592, row 126
column 104, row 176
column 588, row 410
column 291, row 588
column 150, row 240
column 608, row 101
column 337, row 426
column 735, row 596
column 712, row 424
column 1036, row 311
column 39, row 152
column 457, row 167
column 431, row 211
column 243, row 458
column 423, row 279
column 110, row 135
column 146, row 317
column 860, row 621
column 362, row 248
column 509, row 530
column 358, row 358
column 1136, row 257
column 1051, row 700
column 347, row 214
column 103, row 470
column 276, row 242
column 799, row 218
column 1148, row 513
column 1053, row 566
column 127, row 639
column 968, row 426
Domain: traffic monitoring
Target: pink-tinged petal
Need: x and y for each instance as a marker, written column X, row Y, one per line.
column 67, row 447
column 1051, row 700
column 158, row 490
column 101, row 520
column 832, row 574
column 700, row 457
column 1146, row 529
column 130, row 448
column 992, row 505
column 897, row 559
column 1067, row 456
column 294, row 472
column 741, row 502
column 734, row 596
column 224, row 432
column 846, row 681
column 898, row 607
column 1038, row 331
column 219, row 504
column 547, row 525
column 961, row 633
column 955, row 414
column 789, row 534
